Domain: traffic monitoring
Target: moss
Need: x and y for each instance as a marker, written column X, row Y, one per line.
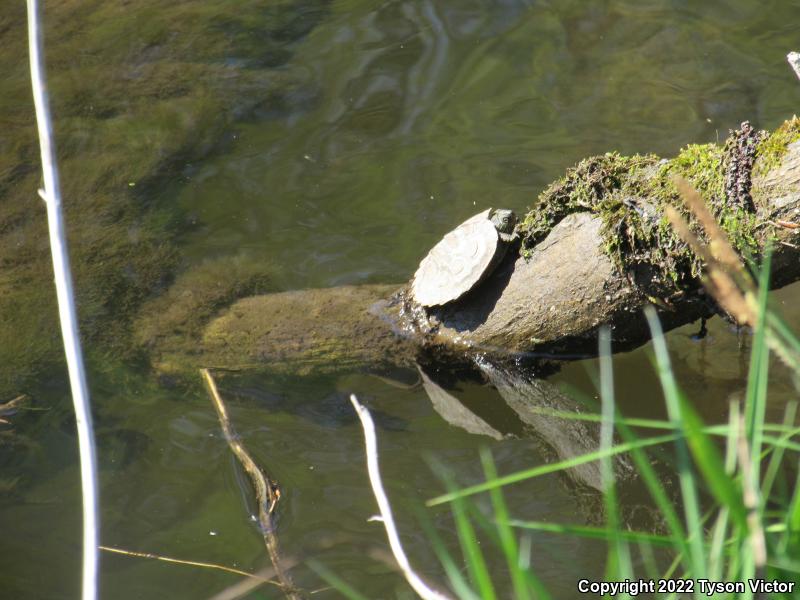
column 771, row 150
column 587, row 186
column 629, row 194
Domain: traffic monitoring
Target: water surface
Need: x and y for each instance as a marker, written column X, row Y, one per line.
column 334, row 142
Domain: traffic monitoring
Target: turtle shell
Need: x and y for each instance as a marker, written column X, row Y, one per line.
column 457, row 263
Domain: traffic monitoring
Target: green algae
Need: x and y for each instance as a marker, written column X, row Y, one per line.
column 175, row 319
column 629, row 194
column 294, row 333
column 138, row 92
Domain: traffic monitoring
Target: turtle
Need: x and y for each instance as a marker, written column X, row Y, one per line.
column 464, row 257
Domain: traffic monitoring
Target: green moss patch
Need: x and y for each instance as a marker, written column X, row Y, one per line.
column 629, row 193
column 771, row 150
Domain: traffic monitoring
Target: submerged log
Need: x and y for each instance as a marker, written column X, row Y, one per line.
column 552, row 301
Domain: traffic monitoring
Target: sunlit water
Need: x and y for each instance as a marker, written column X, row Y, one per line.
column 410, row 116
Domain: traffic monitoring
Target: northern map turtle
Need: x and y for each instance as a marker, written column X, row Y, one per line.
column 464, row 257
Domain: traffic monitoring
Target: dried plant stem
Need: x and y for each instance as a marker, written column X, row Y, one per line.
column 266, row 493
column 720, row 248
column 66, row 308
column 385, row 508
column 246, row 586
column 726, row 279
column 259, row 577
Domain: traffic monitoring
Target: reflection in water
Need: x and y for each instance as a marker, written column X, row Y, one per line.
column 526, row 406
column 538, row 411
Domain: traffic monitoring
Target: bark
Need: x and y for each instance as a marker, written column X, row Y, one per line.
column 556, row 300
column 553, row 302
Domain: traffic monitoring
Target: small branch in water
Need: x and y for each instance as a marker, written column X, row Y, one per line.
column 245, row 586
column 373, row 470
column 267, row 493
column 260, row 577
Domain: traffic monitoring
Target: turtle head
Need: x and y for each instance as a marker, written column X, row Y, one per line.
column 504, row 221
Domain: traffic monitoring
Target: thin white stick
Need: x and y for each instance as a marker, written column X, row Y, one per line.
column 385, row 509
column 66, row 308
column 794, row 61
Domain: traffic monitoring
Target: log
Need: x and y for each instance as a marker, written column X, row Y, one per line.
column 556, row 300
column 551, row 302
column 300, row 332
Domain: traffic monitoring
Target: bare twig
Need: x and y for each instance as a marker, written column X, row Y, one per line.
column 371, row 444
column 267, row 493
column 261, row 577
column 66, row 308
column 794, row 61
column 245, row 586
column 785, row 224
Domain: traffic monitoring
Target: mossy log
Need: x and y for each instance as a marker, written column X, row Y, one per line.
column 551, row 301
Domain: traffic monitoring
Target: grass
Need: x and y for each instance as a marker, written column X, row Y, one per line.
column 733, row 516
column 733, row 520
column 727, row 524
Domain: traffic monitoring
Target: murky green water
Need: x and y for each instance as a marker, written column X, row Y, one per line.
column 333, row 142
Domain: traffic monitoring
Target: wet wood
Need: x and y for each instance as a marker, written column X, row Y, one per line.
column 558, row 299
column 555, row 301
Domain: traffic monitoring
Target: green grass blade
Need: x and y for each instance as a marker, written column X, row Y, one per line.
column 716, row 555
column 479, row 573
column 781, row 442
column 776, row 459
column 596, row 533
column 508, row 542
column 648, row 559
column 653, row 484
column 710, row 464
column 336, row 582
column 685, row 471
column 476, row 564
column 550, row 468
column 778, row 326
column 619, row 558
column 454, row 575
column 535, row 586
column 792, row 537
column 756, row 398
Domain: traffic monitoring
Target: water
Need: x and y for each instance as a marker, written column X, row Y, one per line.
column 334, row 142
